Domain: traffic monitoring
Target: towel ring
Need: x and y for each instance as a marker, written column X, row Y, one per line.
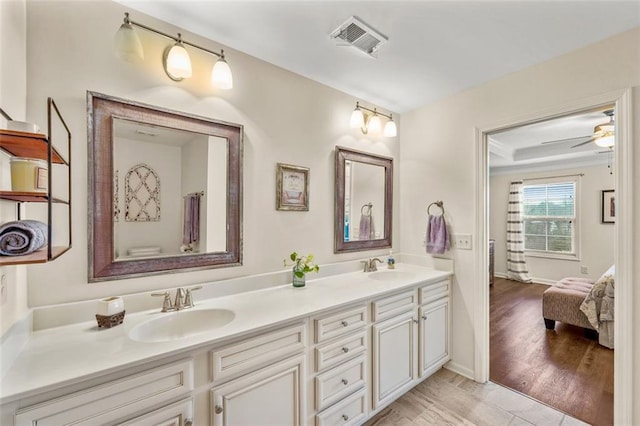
column 437, row 204
column 368, row 212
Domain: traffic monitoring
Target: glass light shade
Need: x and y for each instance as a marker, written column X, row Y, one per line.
column 374, row 125
column 390, row 130
column 127, row 44
column 357, row 119
column 178, row 63
column 221, row 75
column 606, row 141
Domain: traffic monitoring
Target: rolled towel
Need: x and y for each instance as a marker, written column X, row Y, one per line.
column 22, row 237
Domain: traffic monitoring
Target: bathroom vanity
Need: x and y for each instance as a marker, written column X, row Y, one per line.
column 334, row 352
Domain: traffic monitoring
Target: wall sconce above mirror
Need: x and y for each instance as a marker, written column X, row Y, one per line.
column 176, row 61
column 370, row 122
column 165, row 190
column 364, row 200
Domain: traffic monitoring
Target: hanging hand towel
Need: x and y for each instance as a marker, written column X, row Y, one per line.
column 366, row 229
column 22, row 237
column 437, row 235
column 191, row 225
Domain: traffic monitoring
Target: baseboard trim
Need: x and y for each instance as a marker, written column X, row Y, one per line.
column 535, row 280
column 460, row 369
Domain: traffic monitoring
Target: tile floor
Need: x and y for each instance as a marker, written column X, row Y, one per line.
column 447, row 398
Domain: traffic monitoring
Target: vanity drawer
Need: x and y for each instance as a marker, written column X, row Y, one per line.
column 350, row 411
column 334, row 353
column 256, row 352
column 113, row 401
column 434, row 291
column 339, row 324
column 340, row 381
column 391, row 306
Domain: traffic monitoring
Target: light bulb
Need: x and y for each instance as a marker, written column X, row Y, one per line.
column 390, row 130
column 357, row 119
column 178, row 63
column 221, row 75
column 375, row 124
column 606, row 141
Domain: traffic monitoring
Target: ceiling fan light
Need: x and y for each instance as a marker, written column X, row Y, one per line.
column 606, row 141
column 357, row 119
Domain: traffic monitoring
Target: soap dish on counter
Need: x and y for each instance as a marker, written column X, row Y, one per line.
column 108, row 321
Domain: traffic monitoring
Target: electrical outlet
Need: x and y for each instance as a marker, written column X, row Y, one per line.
column 462, row 241
column 584, row 270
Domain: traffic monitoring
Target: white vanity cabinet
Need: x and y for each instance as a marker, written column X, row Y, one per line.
column 410, row 339
column 268, row 376
column 144, row 395
column 340, row 382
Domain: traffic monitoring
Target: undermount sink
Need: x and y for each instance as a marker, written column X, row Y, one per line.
column 181, row 324
column 390, row 275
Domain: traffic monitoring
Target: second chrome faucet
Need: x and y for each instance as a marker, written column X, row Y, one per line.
column 183, row 299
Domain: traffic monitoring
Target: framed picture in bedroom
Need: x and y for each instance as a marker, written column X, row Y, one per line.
column 292, row 188
column 608, row 206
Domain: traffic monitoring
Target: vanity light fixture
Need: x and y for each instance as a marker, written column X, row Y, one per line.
column 176, row 61
column 370, row 121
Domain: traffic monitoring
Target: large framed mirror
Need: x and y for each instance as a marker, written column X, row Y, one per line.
column 364, row 201
column 165, row 190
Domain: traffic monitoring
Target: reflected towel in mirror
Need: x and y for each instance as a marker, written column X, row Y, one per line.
column 191, row 228
column 22, row 237
column 367, row 227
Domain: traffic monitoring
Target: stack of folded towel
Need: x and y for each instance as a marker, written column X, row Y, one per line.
column 22, row 237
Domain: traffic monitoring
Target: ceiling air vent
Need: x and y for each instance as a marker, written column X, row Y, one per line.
column 354, row 32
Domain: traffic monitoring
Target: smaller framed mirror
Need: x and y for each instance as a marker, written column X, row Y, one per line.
column 364, row 201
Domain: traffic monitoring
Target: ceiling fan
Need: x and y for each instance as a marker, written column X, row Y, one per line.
column 603, row 134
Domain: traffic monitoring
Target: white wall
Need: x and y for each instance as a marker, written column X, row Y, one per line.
column 596, row 239
column 438, row 145
column 13, row 99
column 286, row 118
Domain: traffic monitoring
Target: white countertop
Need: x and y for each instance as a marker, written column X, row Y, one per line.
column 65, row 355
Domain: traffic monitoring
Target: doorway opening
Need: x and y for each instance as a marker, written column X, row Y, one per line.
column 546, row 225
column 623, row 167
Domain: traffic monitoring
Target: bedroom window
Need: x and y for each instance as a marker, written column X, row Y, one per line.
column 550, row 217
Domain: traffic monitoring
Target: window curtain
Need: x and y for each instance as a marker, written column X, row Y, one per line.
column 516, row 262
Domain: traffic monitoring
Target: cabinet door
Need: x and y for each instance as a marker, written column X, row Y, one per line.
column 394, row 357
column 273, row 395
column 434, row 336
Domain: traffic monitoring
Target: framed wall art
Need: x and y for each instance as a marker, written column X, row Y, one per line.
column 608, row 213
column 292, row 188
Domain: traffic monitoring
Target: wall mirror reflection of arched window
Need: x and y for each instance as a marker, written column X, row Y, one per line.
column 142, row 194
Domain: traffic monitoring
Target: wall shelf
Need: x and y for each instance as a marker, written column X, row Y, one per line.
column 40, row 146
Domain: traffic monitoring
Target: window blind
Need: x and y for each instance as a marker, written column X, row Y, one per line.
column 549, row 217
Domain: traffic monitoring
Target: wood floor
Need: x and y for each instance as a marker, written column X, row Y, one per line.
column 447, row 398
column 560, row 367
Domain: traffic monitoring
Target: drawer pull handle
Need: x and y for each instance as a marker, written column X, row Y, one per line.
column 424, row 317
column 416, row 321
column 188, row 422
column 345, row 350
column 345, row 417
column 344, row 323
column 218, row 409
column 345, row 382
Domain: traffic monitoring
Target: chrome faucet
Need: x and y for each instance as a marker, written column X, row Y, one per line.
column 370, row 265
column 183, row 299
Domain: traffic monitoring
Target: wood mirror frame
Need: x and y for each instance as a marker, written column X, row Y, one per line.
column 341, row 156
column 101, row 109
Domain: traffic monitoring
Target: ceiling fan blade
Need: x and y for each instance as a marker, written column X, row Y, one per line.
column 583, row 143
column 565, row 140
